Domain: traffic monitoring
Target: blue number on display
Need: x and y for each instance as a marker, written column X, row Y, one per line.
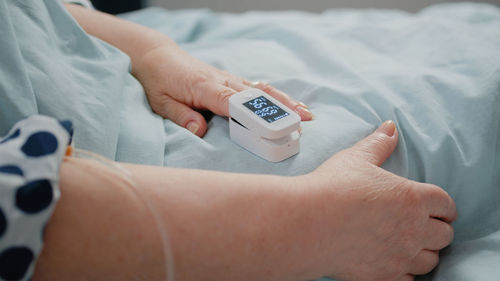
column 266, row 109
column 258, row 102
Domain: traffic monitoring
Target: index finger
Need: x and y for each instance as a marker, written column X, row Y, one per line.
column 439, row 203
column 298, row 107
column 216, row 98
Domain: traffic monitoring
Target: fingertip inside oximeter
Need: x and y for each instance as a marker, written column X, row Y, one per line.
column 264, row 126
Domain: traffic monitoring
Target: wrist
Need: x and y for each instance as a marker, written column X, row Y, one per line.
column 294, row 229
column 319, row 214
column 303, row 228
column 154, row 56
column 147, row 43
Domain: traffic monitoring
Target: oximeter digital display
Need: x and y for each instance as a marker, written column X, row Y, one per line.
column 264, row 126
column 265, row 109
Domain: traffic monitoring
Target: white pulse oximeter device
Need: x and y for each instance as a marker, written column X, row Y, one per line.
column 264, row 126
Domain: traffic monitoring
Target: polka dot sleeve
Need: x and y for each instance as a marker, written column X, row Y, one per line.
column 30, row 156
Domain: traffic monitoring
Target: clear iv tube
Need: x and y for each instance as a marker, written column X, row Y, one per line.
column 169, row 266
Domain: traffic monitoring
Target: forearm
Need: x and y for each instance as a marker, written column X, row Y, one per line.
column 225, row 226
column 133, row 39
column 99, row 230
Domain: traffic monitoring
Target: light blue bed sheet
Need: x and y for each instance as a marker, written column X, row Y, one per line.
column 436, row 73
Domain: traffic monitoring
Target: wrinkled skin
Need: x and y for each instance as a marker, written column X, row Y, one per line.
column 178, row 84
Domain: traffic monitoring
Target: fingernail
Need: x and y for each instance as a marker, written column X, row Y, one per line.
column 388, row 128
column 193, row 127
column 303, row 104
column 304, row 112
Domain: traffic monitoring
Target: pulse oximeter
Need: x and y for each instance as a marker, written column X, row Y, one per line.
column 264, row 126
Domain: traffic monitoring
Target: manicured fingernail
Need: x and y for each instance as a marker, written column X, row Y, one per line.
column 388, row 128
column 304, row 112
column 193, row 127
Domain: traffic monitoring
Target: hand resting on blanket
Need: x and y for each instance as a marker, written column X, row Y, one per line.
column 176, row 83
column 348, row 219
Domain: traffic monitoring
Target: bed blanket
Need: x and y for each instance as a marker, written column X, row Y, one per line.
column 436, row 73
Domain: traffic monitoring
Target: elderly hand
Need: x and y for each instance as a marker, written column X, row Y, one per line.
column 177, row 84
column 377, row 226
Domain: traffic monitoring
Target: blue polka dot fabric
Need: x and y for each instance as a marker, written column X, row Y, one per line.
column 30, row 156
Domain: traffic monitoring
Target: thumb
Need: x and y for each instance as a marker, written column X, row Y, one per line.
column 182, row 115
column 378, row 146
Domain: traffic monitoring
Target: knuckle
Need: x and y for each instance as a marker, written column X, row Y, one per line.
column 244, row 81
column 437, row 191
column 431, row 263
column 413, row 214
column 266, row 87
column 448, row 202
column 201, row 79
column 366, row 149
column 382, row 143
column 449, row 233
column 196, row 84
column 223, row 95
column 410, row 192
column 435, row 261
column 182, row 118
column 408, row 250
column 396, row 268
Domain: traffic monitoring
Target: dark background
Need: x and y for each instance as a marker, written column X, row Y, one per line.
column 122, row 6
column 117, row 6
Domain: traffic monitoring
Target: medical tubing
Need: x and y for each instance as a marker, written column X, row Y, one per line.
column 152, row 209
